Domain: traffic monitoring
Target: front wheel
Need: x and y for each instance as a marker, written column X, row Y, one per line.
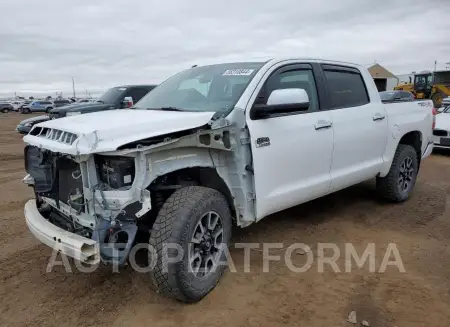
column 397, row 185
column 5, row 110
column 198, row 221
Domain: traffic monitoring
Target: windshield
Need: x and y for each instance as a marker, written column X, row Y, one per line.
column 111, row 95
column 207, row 88
column 387, row 96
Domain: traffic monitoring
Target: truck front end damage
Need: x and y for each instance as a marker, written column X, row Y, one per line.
column 85, row 205
column 90, row 202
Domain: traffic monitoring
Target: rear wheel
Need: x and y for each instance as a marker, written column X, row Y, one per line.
column 48, row 109
column 399, row 182
column 198, row 220
column 5, row 110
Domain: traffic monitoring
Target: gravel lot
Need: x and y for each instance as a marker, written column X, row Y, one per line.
column 420, row 297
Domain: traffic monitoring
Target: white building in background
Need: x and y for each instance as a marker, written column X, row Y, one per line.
column 384, row 79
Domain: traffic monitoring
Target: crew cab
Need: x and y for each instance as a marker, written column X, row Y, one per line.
column 211, row 147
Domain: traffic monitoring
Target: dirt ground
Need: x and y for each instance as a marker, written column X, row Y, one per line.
column 420, row 228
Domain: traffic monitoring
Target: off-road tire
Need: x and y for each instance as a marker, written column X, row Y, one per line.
column 175, row 223
column 388, row 186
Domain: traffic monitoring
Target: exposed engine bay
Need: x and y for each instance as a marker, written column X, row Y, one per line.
column 106, row 197
column 60, row 195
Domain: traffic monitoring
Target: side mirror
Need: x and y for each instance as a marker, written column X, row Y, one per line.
column 282, row 101
column 127, row 102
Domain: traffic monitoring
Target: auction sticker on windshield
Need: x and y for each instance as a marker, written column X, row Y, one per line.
column 238, row 72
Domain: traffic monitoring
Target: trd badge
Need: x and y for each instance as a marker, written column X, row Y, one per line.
column 262, row 141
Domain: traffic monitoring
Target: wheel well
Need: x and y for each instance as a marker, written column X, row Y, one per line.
column 413, row 139
column 163, row 186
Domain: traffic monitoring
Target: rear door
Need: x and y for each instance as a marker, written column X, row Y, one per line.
column 291, row 152
column 36, row 106
column 359, row 123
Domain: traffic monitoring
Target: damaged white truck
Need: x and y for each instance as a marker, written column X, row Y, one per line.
column 213, row 147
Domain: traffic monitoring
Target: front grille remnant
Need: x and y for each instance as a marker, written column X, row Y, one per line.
column 54, row 135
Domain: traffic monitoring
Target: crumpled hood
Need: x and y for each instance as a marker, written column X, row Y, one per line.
column 107, row 130
column 443, row 121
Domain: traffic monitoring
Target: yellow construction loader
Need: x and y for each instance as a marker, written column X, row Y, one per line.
column 434, row 86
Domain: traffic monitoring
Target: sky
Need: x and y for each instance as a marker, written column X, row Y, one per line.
column 105, row 43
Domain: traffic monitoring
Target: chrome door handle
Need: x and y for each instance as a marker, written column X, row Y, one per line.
column 378, row 116
column 321, row 124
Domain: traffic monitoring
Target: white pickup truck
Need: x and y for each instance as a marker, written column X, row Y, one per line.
column 212, row 147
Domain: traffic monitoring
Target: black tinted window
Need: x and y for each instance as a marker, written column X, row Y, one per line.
column 347, row 89
column 136, row 93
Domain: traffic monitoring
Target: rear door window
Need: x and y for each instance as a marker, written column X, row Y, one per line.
column 346, row 87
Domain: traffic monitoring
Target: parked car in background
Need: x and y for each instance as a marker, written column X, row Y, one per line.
column 396, row 96
column 38, row 106
column 114, row 98
column 6, row 107
column 16, row 104
column 441, row 133
column 211, row 148
column 61, row 103
column 26, row 103
column 25, row 125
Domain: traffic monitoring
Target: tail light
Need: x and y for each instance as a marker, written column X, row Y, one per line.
column 434, row 117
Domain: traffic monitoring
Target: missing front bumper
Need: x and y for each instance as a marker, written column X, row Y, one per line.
column 78, row 247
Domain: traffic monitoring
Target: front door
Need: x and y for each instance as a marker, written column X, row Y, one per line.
column 291, row 152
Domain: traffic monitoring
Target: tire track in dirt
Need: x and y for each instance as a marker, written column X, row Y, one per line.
column 10, row 157
column 13, row 170
column 16, row 177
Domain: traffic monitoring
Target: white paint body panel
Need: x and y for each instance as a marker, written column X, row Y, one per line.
column 300, row 164
column 359, row 140
column 107, row 130
column 293, row 169
column 443, row 123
